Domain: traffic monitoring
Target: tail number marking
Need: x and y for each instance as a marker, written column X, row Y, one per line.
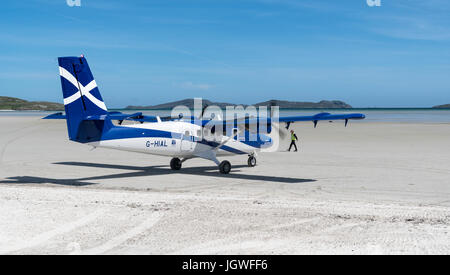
column 156, row 143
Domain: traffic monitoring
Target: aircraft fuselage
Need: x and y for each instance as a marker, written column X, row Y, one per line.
column 175, row 139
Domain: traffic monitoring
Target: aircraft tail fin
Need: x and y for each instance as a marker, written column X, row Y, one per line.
column 82, row 99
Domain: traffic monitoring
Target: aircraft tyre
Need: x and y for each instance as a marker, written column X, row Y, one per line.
column 175, row 164
column 251, row 161
column 225, row 167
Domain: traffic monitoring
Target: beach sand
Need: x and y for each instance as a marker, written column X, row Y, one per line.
column 370, row 188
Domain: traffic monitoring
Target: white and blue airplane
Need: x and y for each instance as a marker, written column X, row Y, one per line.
column 90, row 123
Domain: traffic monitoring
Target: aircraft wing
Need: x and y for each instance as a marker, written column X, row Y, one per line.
column 322, row 116
column 288, row 120
column 139, row 117
column 119, row 116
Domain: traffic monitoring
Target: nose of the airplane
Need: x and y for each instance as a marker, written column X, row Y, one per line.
column 267, row 142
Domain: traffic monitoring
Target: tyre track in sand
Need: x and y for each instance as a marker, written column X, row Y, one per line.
column 14, row 136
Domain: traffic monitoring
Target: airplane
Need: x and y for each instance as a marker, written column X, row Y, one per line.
column 181, row 138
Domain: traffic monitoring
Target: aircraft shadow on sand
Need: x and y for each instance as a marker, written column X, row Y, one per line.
column 138, row 171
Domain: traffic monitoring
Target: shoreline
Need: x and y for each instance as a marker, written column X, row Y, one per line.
column 281, row 109
column 402, row 116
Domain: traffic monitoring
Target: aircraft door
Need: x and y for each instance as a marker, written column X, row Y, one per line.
column 186, row 142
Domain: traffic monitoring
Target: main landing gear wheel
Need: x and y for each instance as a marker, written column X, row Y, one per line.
column 251, row 161
column 225, row 167
column 175, row 164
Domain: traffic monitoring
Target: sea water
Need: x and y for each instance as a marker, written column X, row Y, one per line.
column 372, row 115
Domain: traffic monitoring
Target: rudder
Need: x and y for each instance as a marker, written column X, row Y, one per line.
column 82, row 99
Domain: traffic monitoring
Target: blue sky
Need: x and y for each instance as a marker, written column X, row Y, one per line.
column 246, row 51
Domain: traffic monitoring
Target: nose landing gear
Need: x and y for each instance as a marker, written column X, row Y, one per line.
column 251, row 161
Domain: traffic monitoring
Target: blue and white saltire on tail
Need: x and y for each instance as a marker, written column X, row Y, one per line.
column 89, row 122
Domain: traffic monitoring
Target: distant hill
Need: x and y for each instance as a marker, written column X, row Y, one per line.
column 185, row 102
column 324, row 104
column 446, row 106
column 12, row 103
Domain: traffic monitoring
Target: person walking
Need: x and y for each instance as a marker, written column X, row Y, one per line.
column 294, row 138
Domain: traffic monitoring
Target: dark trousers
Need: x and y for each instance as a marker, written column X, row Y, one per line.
column 293, row 143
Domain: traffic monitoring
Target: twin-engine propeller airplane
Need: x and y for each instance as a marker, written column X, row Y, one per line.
column 182, row 138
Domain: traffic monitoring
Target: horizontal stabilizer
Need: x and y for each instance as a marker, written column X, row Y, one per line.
column 55, row 116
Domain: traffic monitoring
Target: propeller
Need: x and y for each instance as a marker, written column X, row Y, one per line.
column 281, row 132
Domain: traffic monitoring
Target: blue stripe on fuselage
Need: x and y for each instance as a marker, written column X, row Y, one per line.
column 119, row 132
column 216, row 144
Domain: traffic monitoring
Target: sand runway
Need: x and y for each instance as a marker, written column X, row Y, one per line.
column 369, row 188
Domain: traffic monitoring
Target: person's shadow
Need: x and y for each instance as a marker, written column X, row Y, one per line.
column 146, row 171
